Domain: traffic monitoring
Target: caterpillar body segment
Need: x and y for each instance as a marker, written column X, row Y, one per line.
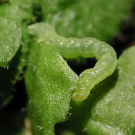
column 86, row 47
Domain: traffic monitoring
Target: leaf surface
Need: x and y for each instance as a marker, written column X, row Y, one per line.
column 10, row 37
column 50, row 83
column 11, row 17
column 10, row 73
column 86, row 18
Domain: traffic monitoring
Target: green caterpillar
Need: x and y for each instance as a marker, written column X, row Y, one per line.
column 85, row 47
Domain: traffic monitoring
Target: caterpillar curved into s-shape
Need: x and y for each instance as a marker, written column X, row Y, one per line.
column 85, row 47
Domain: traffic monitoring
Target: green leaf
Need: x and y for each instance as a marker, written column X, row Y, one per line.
column 81, row 18
column 10, row 37
column 11, row 17
column 17, row 11
column 25, row 7
column 50, row 83
column 12, row 71
column 110, row 109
